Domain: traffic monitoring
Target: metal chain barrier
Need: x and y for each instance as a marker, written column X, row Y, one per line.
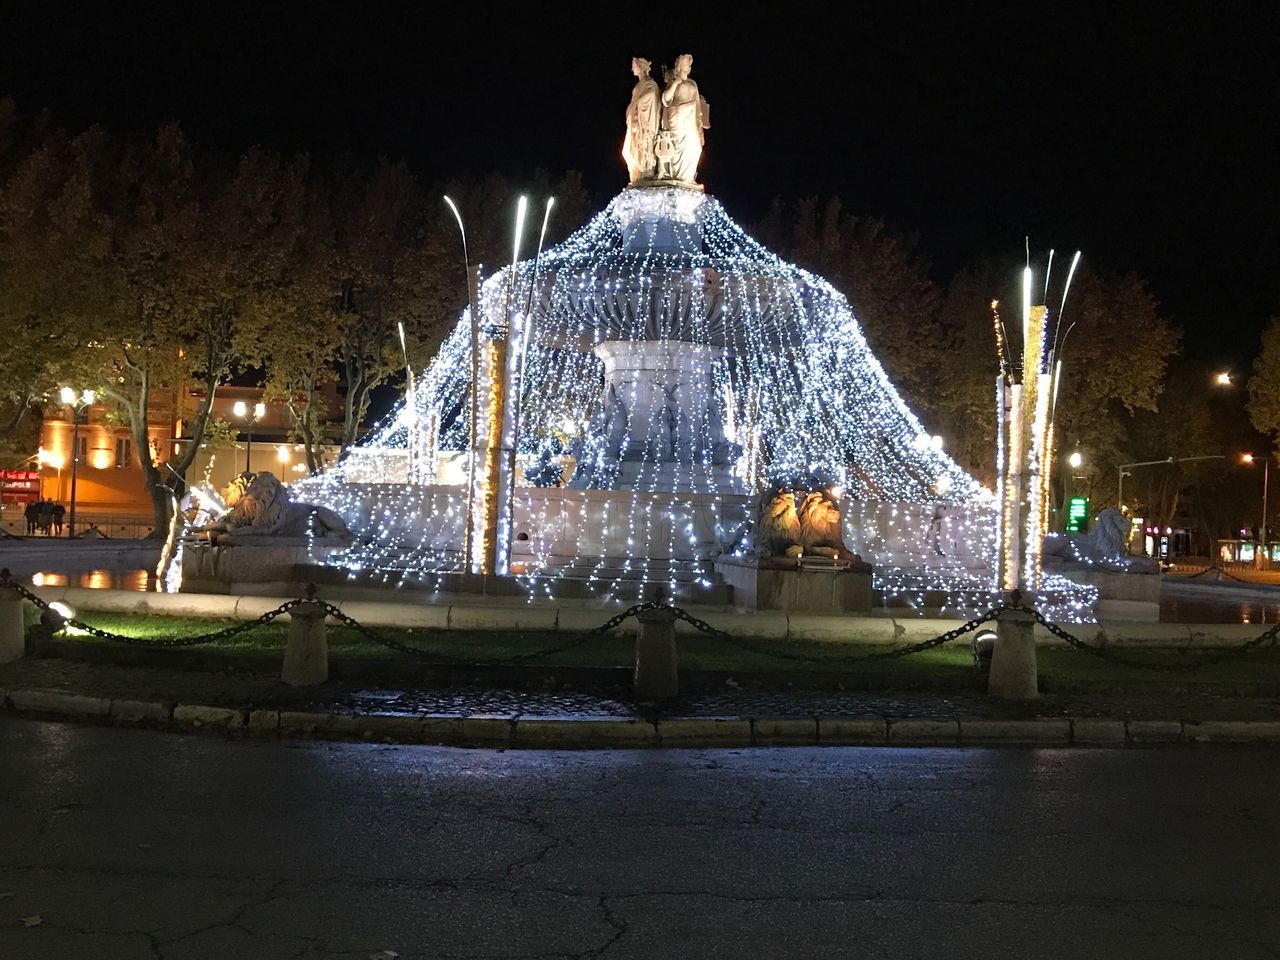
column 269, row 616
column 444, row 659
column 1200, row 661
column 704, row 627
column 892, row 654
column 224, row 634
column 1268, row 636
column 1221, row 571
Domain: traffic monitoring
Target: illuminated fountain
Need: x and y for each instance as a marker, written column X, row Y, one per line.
column 638, row 385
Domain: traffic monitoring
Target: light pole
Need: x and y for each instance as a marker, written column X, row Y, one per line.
column 79, row 404
column 241, row 409
column 1260, row 559
column 1148, row 463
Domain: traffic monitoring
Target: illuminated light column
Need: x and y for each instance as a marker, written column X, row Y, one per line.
column 1011, row 410
column 1035, row 424
column 493, row 363
column 522, row 332
column 498, row 432
column 473, row 420
column 1024, row 454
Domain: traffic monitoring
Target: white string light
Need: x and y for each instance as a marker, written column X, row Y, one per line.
column 785, row 386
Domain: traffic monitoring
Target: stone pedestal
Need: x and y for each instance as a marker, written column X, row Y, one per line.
column 802, row 590
column 660, row 218
column 1013, row 660
column 13, row 645
column 657, row 675
column 661, row 422
column 306, row 655
column 1121, row 596
column 253, row 566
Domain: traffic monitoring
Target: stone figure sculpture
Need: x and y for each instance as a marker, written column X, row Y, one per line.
column 778, row 525
column 685, row 114
column 262, row 507
column 642, row 124
column 1105, row 547
column 1109, row 538
column 785, row 532
column 821, row 532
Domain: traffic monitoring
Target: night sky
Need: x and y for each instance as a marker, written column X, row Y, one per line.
column 1144, row 133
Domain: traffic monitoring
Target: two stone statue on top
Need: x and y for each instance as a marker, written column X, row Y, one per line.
column 664, row 126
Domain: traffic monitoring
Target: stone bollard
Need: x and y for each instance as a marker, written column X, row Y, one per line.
column 657, row 675
column 1013, row 660
column 13, row 633
column 306, row 656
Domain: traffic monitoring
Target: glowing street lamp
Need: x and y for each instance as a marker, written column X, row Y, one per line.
column 1075, row 460
column 79, row 404
column 1222, row 378
column 241, row 411
column 1260, row 558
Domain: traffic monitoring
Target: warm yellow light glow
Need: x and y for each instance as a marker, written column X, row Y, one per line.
column 282, row 453
column 48, row 458
column 100, row 459
column 259, row 410
column 1246, row 458
column 68, row 395
column 89, row 396
column 1026, row 309
column 1223, row 379
column 1075, row 460
column 239, row 408
column 494, row 360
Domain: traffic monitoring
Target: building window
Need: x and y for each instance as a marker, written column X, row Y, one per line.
column 124, row 452
column 82, row 449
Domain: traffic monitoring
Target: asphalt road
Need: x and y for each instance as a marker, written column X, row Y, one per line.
column 137, row 845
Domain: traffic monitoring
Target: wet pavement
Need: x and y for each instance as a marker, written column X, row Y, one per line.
column 128, row 844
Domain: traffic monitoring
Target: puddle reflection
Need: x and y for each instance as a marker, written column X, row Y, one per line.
column 97, row 579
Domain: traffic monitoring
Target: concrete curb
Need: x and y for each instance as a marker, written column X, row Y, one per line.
column 624, row 732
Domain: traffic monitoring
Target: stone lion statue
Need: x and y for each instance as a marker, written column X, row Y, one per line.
column 821, row 532
column 1105, row 546
column 785, row 533
column 260, row 506
column 778, row 525
column 1109, row 538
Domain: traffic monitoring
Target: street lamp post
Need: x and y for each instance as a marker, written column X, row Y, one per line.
column 241, row 409
column 1260, row 559
column 79, row 404
column 1148, row 463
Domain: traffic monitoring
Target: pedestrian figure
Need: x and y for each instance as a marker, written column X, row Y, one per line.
column 46, row 517
column 29, row 514
column 59, row 511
